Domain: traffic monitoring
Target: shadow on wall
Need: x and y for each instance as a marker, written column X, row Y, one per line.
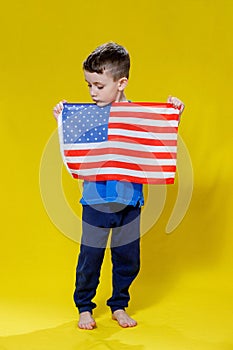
column 195, row 244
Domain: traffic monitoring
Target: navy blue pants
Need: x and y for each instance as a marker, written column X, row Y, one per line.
column 97, row 221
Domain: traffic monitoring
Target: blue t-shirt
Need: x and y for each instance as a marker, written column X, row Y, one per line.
column 110, row 191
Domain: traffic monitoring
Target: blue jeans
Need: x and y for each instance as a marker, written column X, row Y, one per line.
column 97, row 222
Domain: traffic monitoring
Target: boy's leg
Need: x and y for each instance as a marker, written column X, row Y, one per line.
column 125, row 257
column 126, row 265
column 87, row 277
column 90, row 259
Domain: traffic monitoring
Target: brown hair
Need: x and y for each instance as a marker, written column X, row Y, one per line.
column 109, row 56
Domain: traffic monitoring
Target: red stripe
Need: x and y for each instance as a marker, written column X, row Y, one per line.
column 143, row 128
column 150, row 104
column 123, row 165
column 143, row 115
column 126, row 178
column 119, row 151
column 153, row 142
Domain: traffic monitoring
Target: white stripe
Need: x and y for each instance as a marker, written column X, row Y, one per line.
column 145, row 109
column 121, row 158
column 141, row 134
column 119, row 171
column 116, row 144
column 144, row 121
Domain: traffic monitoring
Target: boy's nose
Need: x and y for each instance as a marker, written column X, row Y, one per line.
column 93, row 92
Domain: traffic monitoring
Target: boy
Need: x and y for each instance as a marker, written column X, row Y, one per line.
column 109, row 204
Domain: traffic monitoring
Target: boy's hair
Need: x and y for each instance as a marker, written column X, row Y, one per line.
column 109, row 56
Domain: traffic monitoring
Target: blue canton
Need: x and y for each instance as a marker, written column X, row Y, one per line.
column 85, row 123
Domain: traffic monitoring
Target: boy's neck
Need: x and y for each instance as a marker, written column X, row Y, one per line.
column 121, row 97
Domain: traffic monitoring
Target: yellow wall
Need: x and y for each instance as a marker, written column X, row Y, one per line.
column 177, row 47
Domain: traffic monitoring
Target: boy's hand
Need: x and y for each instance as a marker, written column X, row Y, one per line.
column 176, row 103
column 58, row 109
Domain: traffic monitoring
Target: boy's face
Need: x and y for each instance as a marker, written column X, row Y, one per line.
column 103, row 89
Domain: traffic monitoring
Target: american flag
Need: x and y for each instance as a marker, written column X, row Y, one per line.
column 125, row 141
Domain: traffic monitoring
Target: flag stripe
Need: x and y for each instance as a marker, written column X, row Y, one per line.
column 144, row 127
column 89, row 158
column 155, row 181
column 123, row 145
column 123, row 171
column 123, row 165
column 69, row 154
column 141, row 134
column 132, row 108
column 143, row 141
column 143, row 119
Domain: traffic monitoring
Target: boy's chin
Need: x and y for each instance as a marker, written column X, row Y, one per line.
column 102, row 104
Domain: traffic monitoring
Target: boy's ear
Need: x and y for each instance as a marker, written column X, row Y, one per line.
column 122, row 83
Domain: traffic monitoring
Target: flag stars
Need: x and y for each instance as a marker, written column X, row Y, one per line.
column 87, row 123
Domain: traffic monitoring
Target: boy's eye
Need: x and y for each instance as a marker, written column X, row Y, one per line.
column 100, row 87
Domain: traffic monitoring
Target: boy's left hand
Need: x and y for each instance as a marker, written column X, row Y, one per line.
column 176, row 103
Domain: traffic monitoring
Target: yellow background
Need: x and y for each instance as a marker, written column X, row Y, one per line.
column 183, row 296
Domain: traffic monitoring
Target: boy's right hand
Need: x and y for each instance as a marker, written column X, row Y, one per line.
column 58, row 109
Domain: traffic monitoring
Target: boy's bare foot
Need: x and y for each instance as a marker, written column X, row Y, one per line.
column 86, row 321
column 123, row 319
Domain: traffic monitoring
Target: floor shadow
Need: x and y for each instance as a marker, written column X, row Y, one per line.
column 69, row 337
